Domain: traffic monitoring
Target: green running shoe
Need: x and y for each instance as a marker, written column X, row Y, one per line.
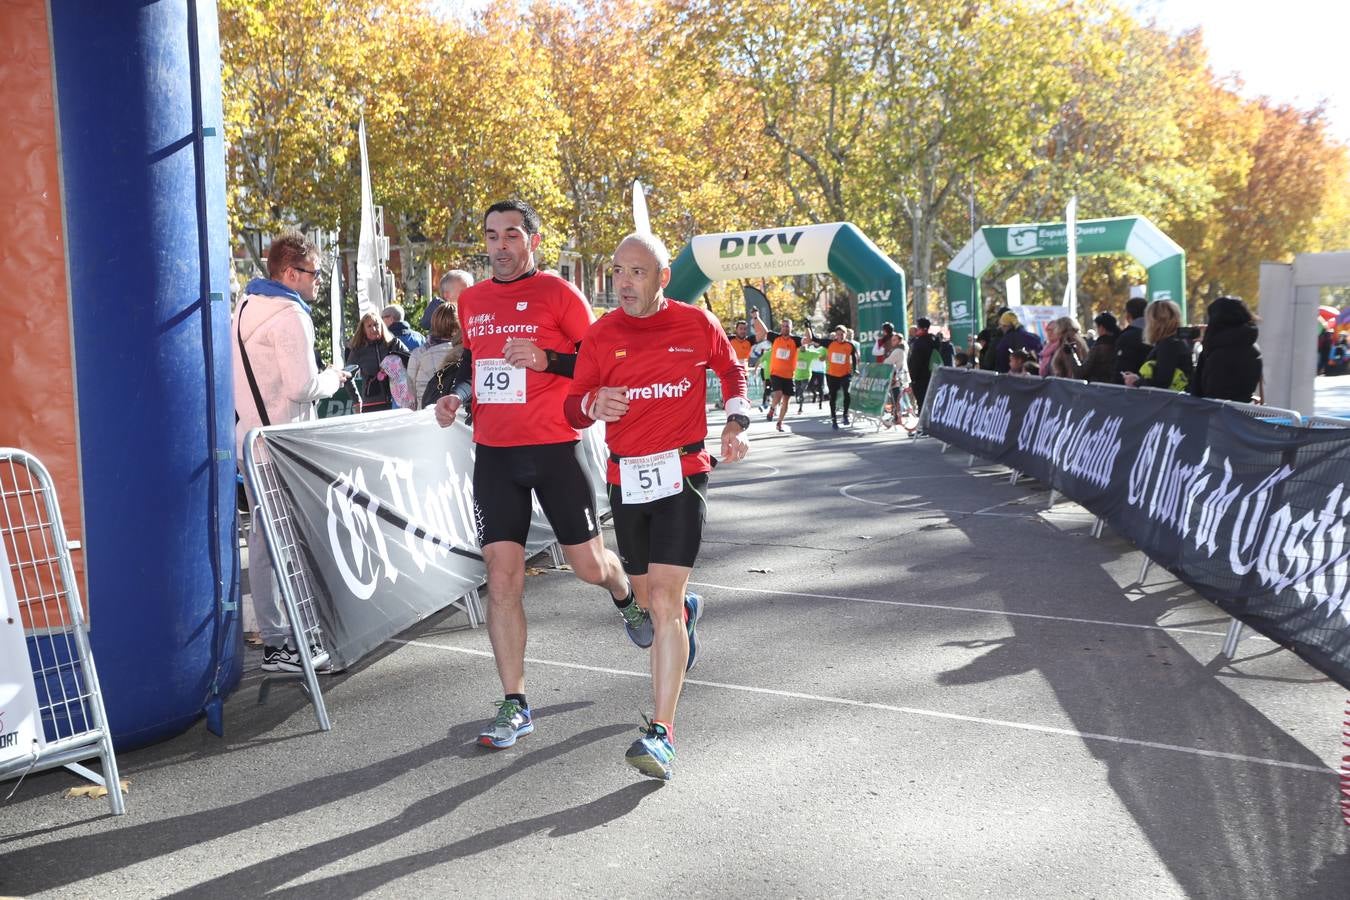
column 652, row 754
column 638, row 623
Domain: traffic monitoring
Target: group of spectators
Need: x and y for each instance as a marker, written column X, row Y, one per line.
column 1220, row 360
column 392, row 364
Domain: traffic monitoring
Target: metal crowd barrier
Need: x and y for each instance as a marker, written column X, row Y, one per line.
column 1273, row 414
column 73, row 724
column 292, row 574
column 297, row 584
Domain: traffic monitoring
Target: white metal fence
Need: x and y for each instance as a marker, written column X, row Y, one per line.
column 72, row 725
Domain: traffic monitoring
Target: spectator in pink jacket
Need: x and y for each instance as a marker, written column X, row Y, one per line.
column 276, row 381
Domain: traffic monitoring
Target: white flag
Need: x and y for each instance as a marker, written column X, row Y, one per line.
column 335, row 305
column 642, row 224
column 1014, row 286
column 1071, row 239
column 369, row 280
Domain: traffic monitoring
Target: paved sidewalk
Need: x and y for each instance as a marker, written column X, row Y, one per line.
column 916, row 680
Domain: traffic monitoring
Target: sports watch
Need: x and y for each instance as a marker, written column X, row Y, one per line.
column 741, row 420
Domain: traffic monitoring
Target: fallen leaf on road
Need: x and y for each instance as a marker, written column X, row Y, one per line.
column 93, row 791
column 761, row 571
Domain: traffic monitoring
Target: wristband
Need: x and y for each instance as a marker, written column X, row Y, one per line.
column 738, row 406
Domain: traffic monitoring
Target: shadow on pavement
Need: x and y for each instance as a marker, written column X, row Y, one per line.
column 63, row 862
column 1223, row 828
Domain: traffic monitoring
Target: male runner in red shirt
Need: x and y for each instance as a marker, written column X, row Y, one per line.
column 520, row 332
column 641, row 371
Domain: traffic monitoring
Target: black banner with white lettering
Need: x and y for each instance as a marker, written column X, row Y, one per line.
column 383, row 507
column 1251, row 513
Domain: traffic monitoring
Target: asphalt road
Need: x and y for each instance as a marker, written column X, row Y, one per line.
column 917, row 680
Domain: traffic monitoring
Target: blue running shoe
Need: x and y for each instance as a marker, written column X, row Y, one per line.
column 693, row 607
column 513, row 721
column 652, row 754
column 638, row 623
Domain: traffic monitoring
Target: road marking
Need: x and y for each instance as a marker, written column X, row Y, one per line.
column 949, row 513
column 965, row 609
column 906, row 710
column 773, row 470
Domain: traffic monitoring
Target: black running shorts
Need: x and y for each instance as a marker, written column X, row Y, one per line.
column 666, row 531
column 503, row 478
column 782, row 385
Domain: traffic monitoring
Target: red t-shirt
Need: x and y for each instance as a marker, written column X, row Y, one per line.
column 662, row 360
column 542, row 308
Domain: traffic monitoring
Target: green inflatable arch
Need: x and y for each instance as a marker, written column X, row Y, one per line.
column 1134, row 236
column 838, row 248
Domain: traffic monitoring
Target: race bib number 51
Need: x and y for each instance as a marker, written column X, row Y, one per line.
column 497, row 381
column 643, row 479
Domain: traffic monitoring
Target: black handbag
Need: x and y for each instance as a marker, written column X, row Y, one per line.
column 442, row 383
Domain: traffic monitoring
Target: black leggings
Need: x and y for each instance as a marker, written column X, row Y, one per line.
column 835, row 382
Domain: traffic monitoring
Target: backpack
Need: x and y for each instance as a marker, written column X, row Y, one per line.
column 442, row 383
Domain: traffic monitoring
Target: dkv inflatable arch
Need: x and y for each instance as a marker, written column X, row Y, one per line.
column 838, row 248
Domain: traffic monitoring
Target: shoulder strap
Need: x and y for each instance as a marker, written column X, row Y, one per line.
column 248, row 369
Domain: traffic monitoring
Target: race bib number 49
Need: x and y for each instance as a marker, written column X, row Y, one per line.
column 643, row 479
column 497, row 381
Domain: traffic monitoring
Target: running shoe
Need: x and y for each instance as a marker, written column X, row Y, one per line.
column 281, row 659
column 513, row 721
column 638, row 623
column 652, row 754
column 693, row 610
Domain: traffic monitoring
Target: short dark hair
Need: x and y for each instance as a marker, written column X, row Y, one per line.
column 288, row 249
column 1135, row 306
column 923, row 323
column 529, row 217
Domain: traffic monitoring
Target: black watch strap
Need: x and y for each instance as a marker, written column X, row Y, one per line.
column 741, row 420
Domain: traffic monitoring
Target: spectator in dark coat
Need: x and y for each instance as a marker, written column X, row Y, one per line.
column 986, row 342
column 1101, row 360
column 1229, row 367
column 1131, row 349
column 1169, row 362
column 1014, row 337
column 920, row 360
column 367, row 348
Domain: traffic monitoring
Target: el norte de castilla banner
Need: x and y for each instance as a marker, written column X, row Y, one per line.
column 384, row 510
column 1251, row 514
